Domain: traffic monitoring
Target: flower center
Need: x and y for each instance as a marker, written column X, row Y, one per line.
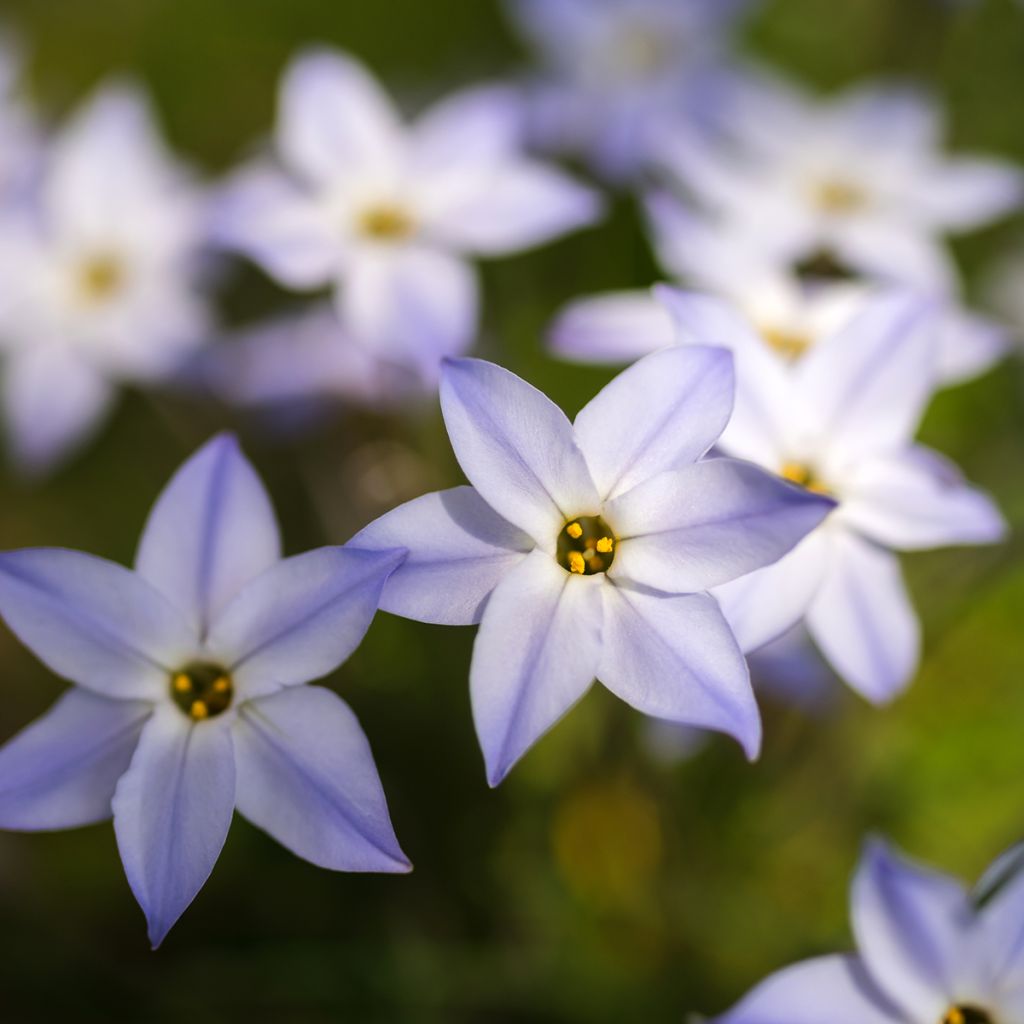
column 822, row 265
column 586, row 546
column 100, row 277
column 787, row 344
column 386, row 222
column 802, row 475
column 834, row 195
column 202, row 690
column 967, row 1015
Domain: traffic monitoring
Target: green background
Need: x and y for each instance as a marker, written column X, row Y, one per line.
column 598, row 884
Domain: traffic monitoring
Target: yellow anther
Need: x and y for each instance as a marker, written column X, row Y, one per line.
column 201, row 689
column 802, row 475
column 198, row 710
column 222, row 684
column 787, row 344
column 182, row 683
column 577, row 563
column 386, row 223
column 955, row 1016
column 574, row 530
column 605, row 545
column 837, row 196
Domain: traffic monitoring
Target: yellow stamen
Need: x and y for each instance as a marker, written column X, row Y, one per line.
column 605, row 545
column 574, row 530
column 803, row 476
column 222, row 685
column 182, row 683
column 787, row 344
column 198, row 710
column 386, row 222
column 837, row 196
column 576, row 563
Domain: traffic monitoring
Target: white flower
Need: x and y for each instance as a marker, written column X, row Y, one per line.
column 99, row 266
column 388, row 213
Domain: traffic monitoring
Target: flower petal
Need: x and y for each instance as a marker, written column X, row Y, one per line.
column 916, row 499
column 92, row 621
column 709, row 523
column 615, row 327
column 763, row 605
column 909, row 923
column 333, row 117
column 516, row 447
column 411, row 304
column 870, row 381
column 172, row 811
column 969, row 345
column 506, row 207
column 301, row 618
column 964, row 193
column 675, row 657
column 834, row 985
column 662, row 413
column 535, row 655
column 306, row 775
column 459, row 550
column 211, row 531
column 264, row 215
column 862, row 619
column 61, row 771
column 53, row 402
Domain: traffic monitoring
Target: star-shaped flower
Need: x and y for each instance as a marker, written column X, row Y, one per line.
column 858, row 182
column 188, row 703
column 389, row 213
column 928, row 952
column 100, row 264
column 615, row 70
column 586, row 549
column 841, row 422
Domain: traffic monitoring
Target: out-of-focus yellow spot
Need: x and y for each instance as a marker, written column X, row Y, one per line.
column 100, row 277
column 787, row 344
column 182, row 683
column 801, row 474
column 833, row 195
column 198, row 710
column 387, row 222
column 608, row 843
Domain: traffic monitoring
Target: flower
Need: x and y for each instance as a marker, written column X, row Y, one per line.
column 585, row 549
column 617, row 69
column 789, row 312
column 18, row 131
column 856, row 183
column 99, row 265
column 187, row 701
column 928, row 952
column 388, row 213
column 840, row 421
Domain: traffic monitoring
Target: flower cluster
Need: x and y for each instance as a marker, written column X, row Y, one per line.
column 744, row 487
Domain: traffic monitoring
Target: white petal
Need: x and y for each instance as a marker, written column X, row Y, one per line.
column 916, row 499
column 505, row 208
column 172, row 811
column 516, row 447
column 909, row 922
column 836, row 986
column 61, row 771
column 966, row 192
column 264, row 215
column 53, row 402
column 709, row 523
column 969, row 345
column 862, row 619
column 675, row 657
column 662, row 413
column 535, row 655
column 211, row 531
column 616, row 327
column 301, row 618
column 885, row 248
column 459, row 550
column 411, row 304
column 306, row 775
column 93, row 621
column 333, row 118
column 763, row 605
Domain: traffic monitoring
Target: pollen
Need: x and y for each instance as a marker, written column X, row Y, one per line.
column 387, row 222
column 586, row 546
column 967, row 1015
column 802, row 475
column 202, row 690
column 788, row 344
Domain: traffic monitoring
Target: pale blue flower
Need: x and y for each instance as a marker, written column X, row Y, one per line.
column 187, row 702
column 100, row 264
column 390, row 213
column 927, row 953
column 841, row 421
column 586, row 549
column 616, row 70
